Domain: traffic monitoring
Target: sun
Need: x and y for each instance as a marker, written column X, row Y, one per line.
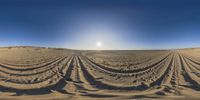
column 99, row 44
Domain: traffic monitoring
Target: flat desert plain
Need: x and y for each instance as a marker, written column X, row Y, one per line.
column 36, row 73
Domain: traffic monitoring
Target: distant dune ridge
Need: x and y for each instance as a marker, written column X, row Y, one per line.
column 55, row 73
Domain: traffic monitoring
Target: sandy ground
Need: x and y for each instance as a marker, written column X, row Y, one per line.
column 59, row 74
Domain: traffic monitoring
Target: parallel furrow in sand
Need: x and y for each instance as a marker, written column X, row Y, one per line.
column 176, row 72
column 180, row 72
column 47, row 80
column 61, row 86
column 30, row 66
column 127, row 71
column 195, row 65
column 168, row 82
column 90, row 79
column 20, row 68
column 154, row 73
column 126, row 74
column 78, row 84
column 188, row 77
column 34, row 78
column 165, row 73
column 192, row 72
column 74, row 75
column 135, row 66
column 34, row 71
column 85, row 77
column 194, row 69
column 74, row 81
column 167, row 76
column 191, row 58
column 101, row 85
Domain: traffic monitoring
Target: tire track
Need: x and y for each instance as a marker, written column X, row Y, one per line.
column 190, row 82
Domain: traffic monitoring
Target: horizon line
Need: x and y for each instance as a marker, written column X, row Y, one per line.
column 97, row 49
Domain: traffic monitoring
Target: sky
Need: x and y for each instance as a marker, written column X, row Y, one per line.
column 114, row 24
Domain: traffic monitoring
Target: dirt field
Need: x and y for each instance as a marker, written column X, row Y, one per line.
column 46, row 73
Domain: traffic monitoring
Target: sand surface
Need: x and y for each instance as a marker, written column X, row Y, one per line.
column 59, row 74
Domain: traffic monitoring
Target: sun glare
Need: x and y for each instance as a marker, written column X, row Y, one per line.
column 99, row 44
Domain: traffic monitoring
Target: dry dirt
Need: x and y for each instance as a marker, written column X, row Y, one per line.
column 46, row 73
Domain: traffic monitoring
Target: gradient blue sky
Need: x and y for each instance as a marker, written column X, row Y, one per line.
column 118, row 24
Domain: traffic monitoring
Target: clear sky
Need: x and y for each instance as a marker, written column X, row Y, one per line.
column 100, row 24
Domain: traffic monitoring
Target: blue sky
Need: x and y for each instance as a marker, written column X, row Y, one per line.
column 117, row 24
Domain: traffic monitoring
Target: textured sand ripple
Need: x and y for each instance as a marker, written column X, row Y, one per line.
column 44, row 73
